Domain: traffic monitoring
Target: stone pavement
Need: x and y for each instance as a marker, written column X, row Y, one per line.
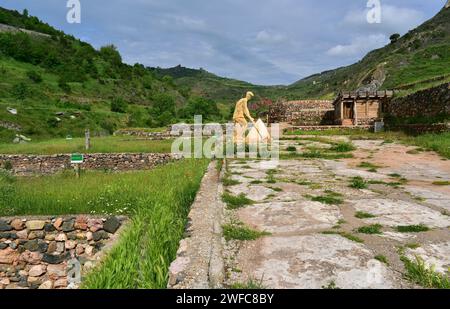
column 314, row 242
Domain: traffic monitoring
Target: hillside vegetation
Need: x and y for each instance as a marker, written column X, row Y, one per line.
column 60, row 85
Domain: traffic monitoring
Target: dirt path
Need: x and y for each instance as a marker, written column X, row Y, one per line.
column 313, row 217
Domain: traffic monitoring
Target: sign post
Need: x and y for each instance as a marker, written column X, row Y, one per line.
column 77, row 159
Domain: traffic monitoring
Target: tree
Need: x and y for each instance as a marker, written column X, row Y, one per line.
column 394, row 38
column 110, row 54
column 200, row 106
column 25, row 13
column 163, row 102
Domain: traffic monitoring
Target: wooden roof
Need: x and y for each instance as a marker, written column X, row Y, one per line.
column 364, row 95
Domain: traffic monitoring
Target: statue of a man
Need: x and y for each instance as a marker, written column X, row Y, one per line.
column 241, row 112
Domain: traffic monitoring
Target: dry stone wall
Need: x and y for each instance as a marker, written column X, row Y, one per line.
column 303, row 113
column 427, row 103
column 53, row 253
column 25, row 165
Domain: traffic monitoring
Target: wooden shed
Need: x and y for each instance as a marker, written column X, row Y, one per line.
column 360, row 107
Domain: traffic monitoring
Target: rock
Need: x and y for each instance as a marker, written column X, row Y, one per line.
column 57, row 224
column 34, row 280
column 23, row 273
column 22, row 234
column 37, row 271
column 34, row 225
column 3, row 246
column 95, row 225
column 99, row 235
column 80, row 249
column 43, row 246
column 4, row 226
column 72, row 235
column 60, row 283
column 32, row 245
column 8, row 235
column 60, row 247
column 50, row 237
column 81, row 236
column 89, row 251
column 81, row 223
column 36, row 234
column 71, row 244
column 55, row 259
column 89, row 236
column 8, row 256
column 111, row 225
column 5, row 281
column 31, row 257
column 17, row 224
column 13, row 245
column 47, row 285
column 68, row 226
column 49, row 227
column 61, row 237
column 51, row 247
column 56, row 271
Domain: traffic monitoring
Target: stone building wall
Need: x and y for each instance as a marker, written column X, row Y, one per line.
column 303, row 113
column 428, row 103
column 53, row 253
column 25, row 165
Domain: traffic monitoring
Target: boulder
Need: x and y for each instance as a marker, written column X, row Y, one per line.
column 34, row 225
column 37, row 271
column 111, row 225
column 8, row 256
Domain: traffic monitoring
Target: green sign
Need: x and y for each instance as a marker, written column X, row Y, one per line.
column 76, row 158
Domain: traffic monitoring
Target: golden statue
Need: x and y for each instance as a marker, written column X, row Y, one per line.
column 241, row 112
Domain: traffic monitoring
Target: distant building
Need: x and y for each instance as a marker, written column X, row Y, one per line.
column 360, row 108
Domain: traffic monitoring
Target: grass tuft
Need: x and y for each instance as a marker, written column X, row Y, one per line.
column 382, row 259
column 413, row 228
column 241, row 232
column 235, row 202
column 364, row 215
column 370, row 229
column 358, row 183
column 418, row 272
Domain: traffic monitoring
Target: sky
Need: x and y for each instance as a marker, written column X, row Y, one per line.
column 266, row 42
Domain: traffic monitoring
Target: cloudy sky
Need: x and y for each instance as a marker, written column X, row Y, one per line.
column 261, row 41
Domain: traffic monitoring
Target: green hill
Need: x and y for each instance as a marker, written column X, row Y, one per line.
column 60, row 85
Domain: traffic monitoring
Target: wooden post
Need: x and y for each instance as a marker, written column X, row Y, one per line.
column 87, row 142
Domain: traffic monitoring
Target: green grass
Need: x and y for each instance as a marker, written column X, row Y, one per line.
column 249, row 285
column 228, row 181
column 158, row 218
column 317, row 154
column 413, row 228
column 276, row 189
column 364, row 215
column 241, row 232
column 345, row 235
column 368, row 165
column 342, row 147
column 291, row 149
column 256, row 182
column 330, row 198
column 109, row 144
column 358, row 183
column 441, row 183
column 412, row 246
column 235, row 202
column 418, row 272
column 382, row 259
column 370, row 229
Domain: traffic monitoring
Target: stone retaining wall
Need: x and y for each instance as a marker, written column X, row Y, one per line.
column 427, row 103
column 52, row 252
column 303, row 113
column 26, row 165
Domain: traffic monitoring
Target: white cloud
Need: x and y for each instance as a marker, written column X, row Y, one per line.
column 359, row 46
column 269, row 37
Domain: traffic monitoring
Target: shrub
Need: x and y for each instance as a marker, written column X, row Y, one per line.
column 34, row 76
column 358, row 183
column 118, row 105
column 20, row 91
